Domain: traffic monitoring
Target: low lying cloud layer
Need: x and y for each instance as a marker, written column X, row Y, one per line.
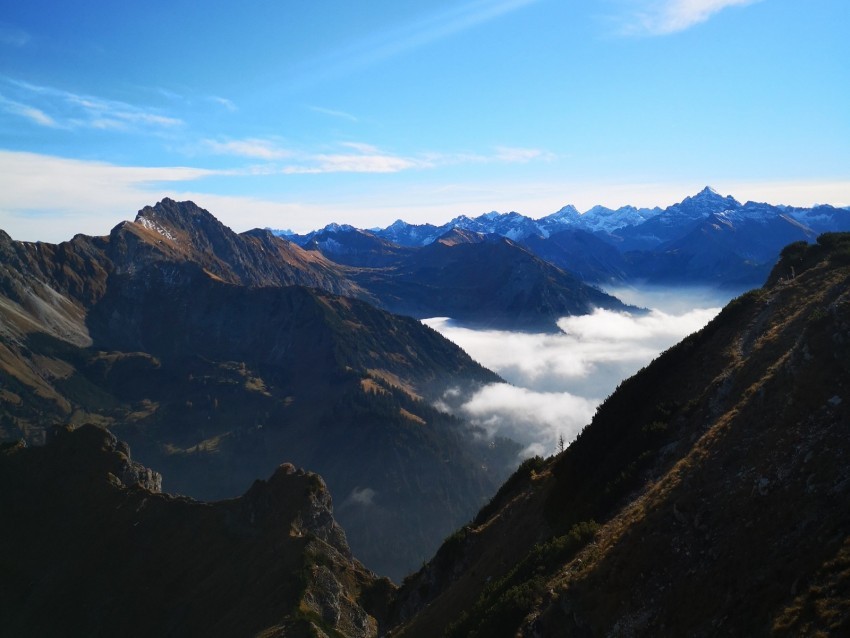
column 556, row 381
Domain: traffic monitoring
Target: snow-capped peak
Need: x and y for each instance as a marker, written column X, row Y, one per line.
column 333, row 227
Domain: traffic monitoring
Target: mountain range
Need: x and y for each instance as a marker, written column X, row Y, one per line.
column 708, row 496
column 706, row 239
column 217, row 356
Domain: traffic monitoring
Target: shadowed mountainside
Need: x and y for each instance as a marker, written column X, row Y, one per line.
column 708, row 496
column 190, row 343
column 98, row 551
column 477, row 280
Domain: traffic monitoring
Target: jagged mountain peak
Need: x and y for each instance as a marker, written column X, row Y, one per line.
column 493, row 215
column 173, row 212
column 461, row 236
column 333, row 227
column 460, row 220
column 183, row 223
column 565, row 213
column 709, row 196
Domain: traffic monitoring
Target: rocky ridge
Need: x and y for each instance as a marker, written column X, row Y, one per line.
column 272, row 562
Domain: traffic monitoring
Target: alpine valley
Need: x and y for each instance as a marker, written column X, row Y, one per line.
column 161, row 386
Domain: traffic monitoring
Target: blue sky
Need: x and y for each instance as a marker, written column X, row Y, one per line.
column 294, row 114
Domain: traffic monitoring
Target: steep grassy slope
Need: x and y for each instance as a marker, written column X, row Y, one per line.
column 708, row 496
column 98, row 551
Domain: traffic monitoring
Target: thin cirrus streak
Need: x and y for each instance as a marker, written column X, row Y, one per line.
column 58, row 108
column 393, row 42
column 663, row 17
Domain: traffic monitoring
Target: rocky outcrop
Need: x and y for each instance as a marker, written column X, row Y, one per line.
column 99, row 551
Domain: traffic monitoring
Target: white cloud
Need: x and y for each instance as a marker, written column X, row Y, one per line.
column 662, row 17
column 591, row 346
column 355, row 157
column 357, row 163
column 52, row 198
column 29, row 112
column 360, row 496
column 251, row 147
column 366, row 158
column 223, row 101
column 557, row 380
column 521, row 155
column 534, row 419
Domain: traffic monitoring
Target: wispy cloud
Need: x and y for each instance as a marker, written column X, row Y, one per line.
column 58, row 108
column 662, row 17
column 354, row 158
column 255, row 148
column 357, row 163
column 521, row 155
column 407, row 37
column 357, row 157
column 333, row 113
column 29, row 112
column 223, row 101
column 363, row 497
column 13, row 36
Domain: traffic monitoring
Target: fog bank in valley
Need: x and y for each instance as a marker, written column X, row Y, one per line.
column 556, row 381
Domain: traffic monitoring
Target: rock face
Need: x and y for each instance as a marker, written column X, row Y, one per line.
column 96, row 556
column 709, row 496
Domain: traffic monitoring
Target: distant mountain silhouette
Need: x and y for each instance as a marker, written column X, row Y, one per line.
column 706, row 239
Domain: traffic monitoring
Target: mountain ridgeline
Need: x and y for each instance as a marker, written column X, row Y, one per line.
column 218, row 356
column 709, row 495
column 706, row 239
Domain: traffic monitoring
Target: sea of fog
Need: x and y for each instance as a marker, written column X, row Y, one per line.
column 556, row 381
